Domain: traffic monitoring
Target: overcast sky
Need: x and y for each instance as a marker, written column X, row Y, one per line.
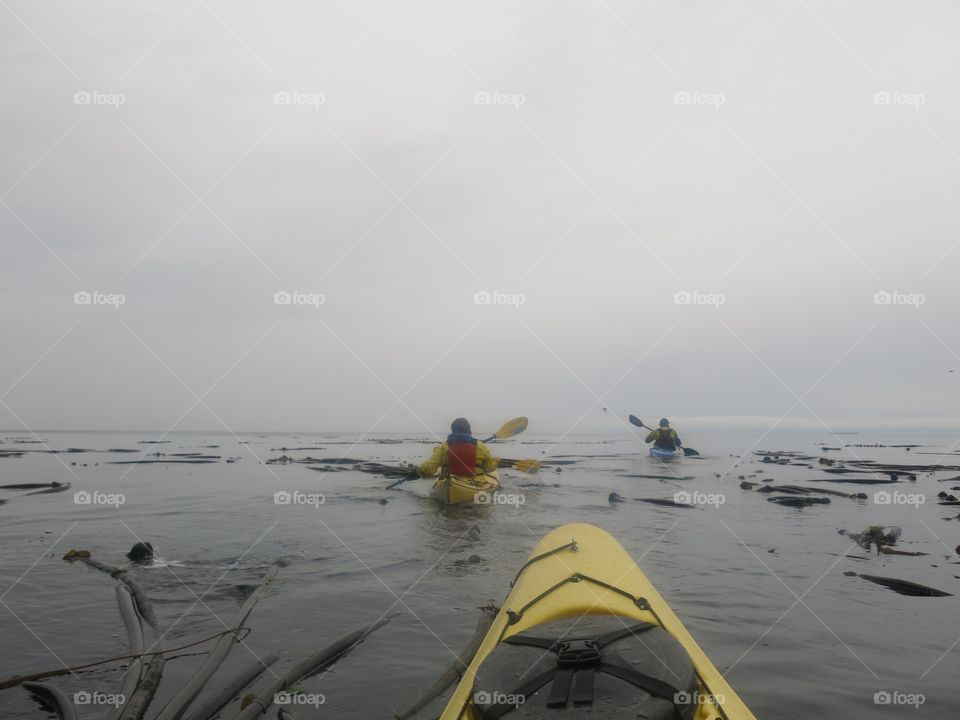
column 585, row 163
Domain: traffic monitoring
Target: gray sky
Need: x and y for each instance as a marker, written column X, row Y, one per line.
column 584, row 162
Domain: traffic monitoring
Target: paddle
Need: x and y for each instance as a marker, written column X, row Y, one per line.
column 523, row 466
column 507, row 430
column 634, row 420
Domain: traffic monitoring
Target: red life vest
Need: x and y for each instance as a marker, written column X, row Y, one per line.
column 462, row 458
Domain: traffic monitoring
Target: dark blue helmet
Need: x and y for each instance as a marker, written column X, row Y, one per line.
column 664, row 422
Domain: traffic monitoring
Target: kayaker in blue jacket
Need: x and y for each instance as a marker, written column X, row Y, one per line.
column 664, row 437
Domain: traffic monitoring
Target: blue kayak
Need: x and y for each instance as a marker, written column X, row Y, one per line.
column 661, row 454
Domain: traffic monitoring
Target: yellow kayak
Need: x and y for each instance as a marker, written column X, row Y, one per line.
column 454, row 489
column 583, row 633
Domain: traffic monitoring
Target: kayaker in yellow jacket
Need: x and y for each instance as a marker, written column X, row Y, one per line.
column 462, row 454
column 664, row 437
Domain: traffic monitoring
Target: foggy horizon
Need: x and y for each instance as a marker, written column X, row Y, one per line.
column 361, row 218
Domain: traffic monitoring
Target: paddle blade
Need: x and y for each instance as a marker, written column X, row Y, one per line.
column 689, row 452
column 525, row 466
column 634, row 420
column 509, row 429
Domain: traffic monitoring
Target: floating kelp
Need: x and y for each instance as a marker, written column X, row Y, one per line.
column 665, row 503
column 308, row 666
column 947, row 499
column 11, row 453
column 901, row 469
column 845, row 471
column 875, row 536
column 906, row 587
column 131, row 621
column 798, row 501
column 339, row 461
column 31, row 486
column 782, row 457
column 459, row 667
column 878, row 445
column 855, row 480
column 800, row 490
column 226, row 692
column 186, row 695
column 891, row 551
column 149, row 680
column 38, row 489
column 657, row 477
column 54, row 488
column 54, row 698
column 176, row 461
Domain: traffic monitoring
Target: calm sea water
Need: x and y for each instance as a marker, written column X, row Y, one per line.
column 761, row 587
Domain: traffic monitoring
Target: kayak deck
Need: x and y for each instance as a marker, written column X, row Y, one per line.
column 457, row 489
column 580, row 570
column 661, row 454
